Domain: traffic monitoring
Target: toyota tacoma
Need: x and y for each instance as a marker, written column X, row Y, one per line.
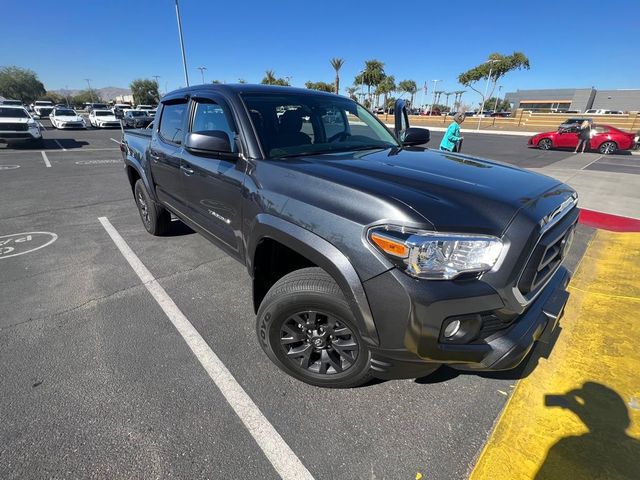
column 370, row 255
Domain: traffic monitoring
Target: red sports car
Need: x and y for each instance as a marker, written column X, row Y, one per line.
column 604, row 138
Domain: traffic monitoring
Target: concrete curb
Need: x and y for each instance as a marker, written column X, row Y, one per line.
column 469, row 130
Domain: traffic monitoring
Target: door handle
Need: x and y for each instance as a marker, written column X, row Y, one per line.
column 186, row 170
column 153, row 157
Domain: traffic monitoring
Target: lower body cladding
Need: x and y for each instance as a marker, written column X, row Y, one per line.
column 26, row 136
column 424, row 324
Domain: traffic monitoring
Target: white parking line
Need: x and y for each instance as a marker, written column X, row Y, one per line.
column 46, row 159
column 59, row 144
column 283, row 459
column 114, row 140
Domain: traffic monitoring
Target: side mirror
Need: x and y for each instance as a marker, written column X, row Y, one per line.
column 209, row 142
column 401, row 119
column 416, row 136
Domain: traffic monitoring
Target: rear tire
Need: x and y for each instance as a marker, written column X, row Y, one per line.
column 306, row 328
column 545, row 144
column 155, row 218
column 607, row 148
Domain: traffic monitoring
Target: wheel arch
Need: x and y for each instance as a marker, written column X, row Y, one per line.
column 317, row 252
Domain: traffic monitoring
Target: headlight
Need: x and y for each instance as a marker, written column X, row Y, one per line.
column 436, row 255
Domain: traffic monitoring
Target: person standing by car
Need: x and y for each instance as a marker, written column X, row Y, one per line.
column 584, row 135
column 452, row 140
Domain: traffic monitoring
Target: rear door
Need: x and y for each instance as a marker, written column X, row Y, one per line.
column 213, row 182
column 165, row 150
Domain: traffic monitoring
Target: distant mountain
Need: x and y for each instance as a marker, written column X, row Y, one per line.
column 106, row 93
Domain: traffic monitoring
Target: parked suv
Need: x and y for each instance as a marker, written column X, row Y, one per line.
column 17, row 126
column 370, row 255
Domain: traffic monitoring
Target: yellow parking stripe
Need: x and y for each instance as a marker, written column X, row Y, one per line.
column 577, row 415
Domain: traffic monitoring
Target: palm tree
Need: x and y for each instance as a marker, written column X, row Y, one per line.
column 371, row 76
column 386, row 86
column 351, row 91
column 337, row 63
column 269, row 78
column 408, row 86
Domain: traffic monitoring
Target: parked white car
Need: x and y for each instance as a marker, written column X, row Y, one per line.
column 150, row 109
column 103, row 119
column 42, row 108
column 66, row 118
column 18, row 126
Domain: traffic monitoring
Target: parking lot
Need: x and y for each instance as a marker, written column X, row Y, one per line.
column 98, row 383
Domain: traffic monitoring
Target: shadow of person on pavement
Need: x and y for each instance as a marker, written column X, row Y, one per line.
column 605, row 451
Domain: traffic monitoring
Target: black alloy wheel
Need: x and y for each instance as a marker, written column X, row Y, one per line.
column 318, row 342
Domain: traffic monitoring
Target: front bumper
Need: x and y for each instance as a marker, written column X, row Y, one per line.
column 416, row 348
column 26, row 135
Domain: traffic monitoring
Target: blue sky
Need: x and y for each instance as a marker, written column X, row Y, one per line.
column 569, row 44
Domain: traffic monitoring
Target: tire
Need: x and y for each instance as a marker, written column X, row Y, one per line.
column 155, row 218
column 608, row 147
column 328, row 350
column 545, row 144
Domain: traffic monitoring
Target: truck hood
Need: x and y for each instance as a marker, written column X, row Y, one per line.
column 14, row 120
column 453, row 192
column 69, row 118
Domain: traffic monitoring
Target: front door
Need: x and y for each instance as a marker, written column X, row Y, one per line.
column 567, row 139
column 164, row 153
column 213, row 182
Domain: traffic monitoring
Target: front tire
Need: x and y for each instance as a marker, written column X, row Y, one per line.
column 545, row 144
column 306, row 327
column 156, row 219
column 607, row 148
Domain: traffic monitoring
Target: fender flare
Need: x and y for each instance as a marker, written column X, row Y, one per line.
column 326, row 256
column 135, row 165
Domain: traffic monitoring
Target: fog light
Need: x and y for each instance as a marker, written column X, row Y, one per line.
column 452, row 328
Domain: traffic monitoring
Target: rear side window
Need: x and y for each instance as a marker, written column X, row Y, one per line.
column 172, row 122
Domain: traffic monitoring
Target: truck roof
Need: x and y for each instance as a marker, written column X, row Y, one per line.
column 242, row 88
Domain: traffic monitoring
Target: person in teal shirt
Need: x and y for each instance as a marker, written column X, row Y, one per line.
column 452, row 138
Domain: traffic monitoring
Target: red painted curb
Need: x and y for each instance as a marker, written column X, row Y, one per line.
column 608, row 221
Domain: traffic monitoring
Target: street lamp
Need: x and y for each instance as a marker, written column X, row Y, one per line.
column 184, row 57
column 486, row 88
column 434, row 96
column 202, row 69
column 88, row 80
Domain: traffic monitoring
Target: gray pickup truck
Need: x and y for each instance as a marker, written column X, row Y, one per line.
column 370, row 255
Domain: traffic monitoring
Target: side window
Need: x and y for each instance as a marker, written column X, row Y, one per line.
column 172, row 121
column 333, row 122
column 208, row 116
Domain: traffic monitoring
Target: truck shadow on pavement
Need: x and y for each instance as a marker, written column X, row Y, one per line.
column 606, row 451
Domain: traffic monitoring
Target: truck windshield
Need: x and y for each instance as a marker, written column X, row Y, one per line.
column 13, row 113
column 290, row 125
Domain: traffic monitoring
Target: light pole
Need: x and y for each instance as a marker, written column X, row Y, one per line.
column 88, row 80
column 495, row 107
column 434, row 97
column 424, row 92
column 486, row 88
column 184, row 57
column 202, row 69
column 156, row 77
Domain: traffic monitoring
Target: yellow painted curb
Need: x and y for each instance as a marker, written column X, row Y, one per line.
column 577, row 415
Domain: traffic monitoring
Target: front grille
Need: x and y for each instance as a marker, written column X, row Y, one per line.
column 14, row 127
column 547, row 256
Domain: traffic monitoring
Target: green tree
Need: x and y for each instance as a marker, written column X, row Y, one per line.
column 53, row 97
column 145, row 91
column 322, row 86
column 216, row 81
column 337, row 63
column 271, row 79
column 385, row 87
column 371, row 76
column 408, row 86
column 85, row 96
column 497, row 104
column 351, row 91
column 20, row 84
column 496, row 67
column 242, row 80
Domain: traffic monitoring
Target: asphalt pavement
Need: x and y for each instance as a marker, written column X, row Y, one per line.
column 96, row 381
